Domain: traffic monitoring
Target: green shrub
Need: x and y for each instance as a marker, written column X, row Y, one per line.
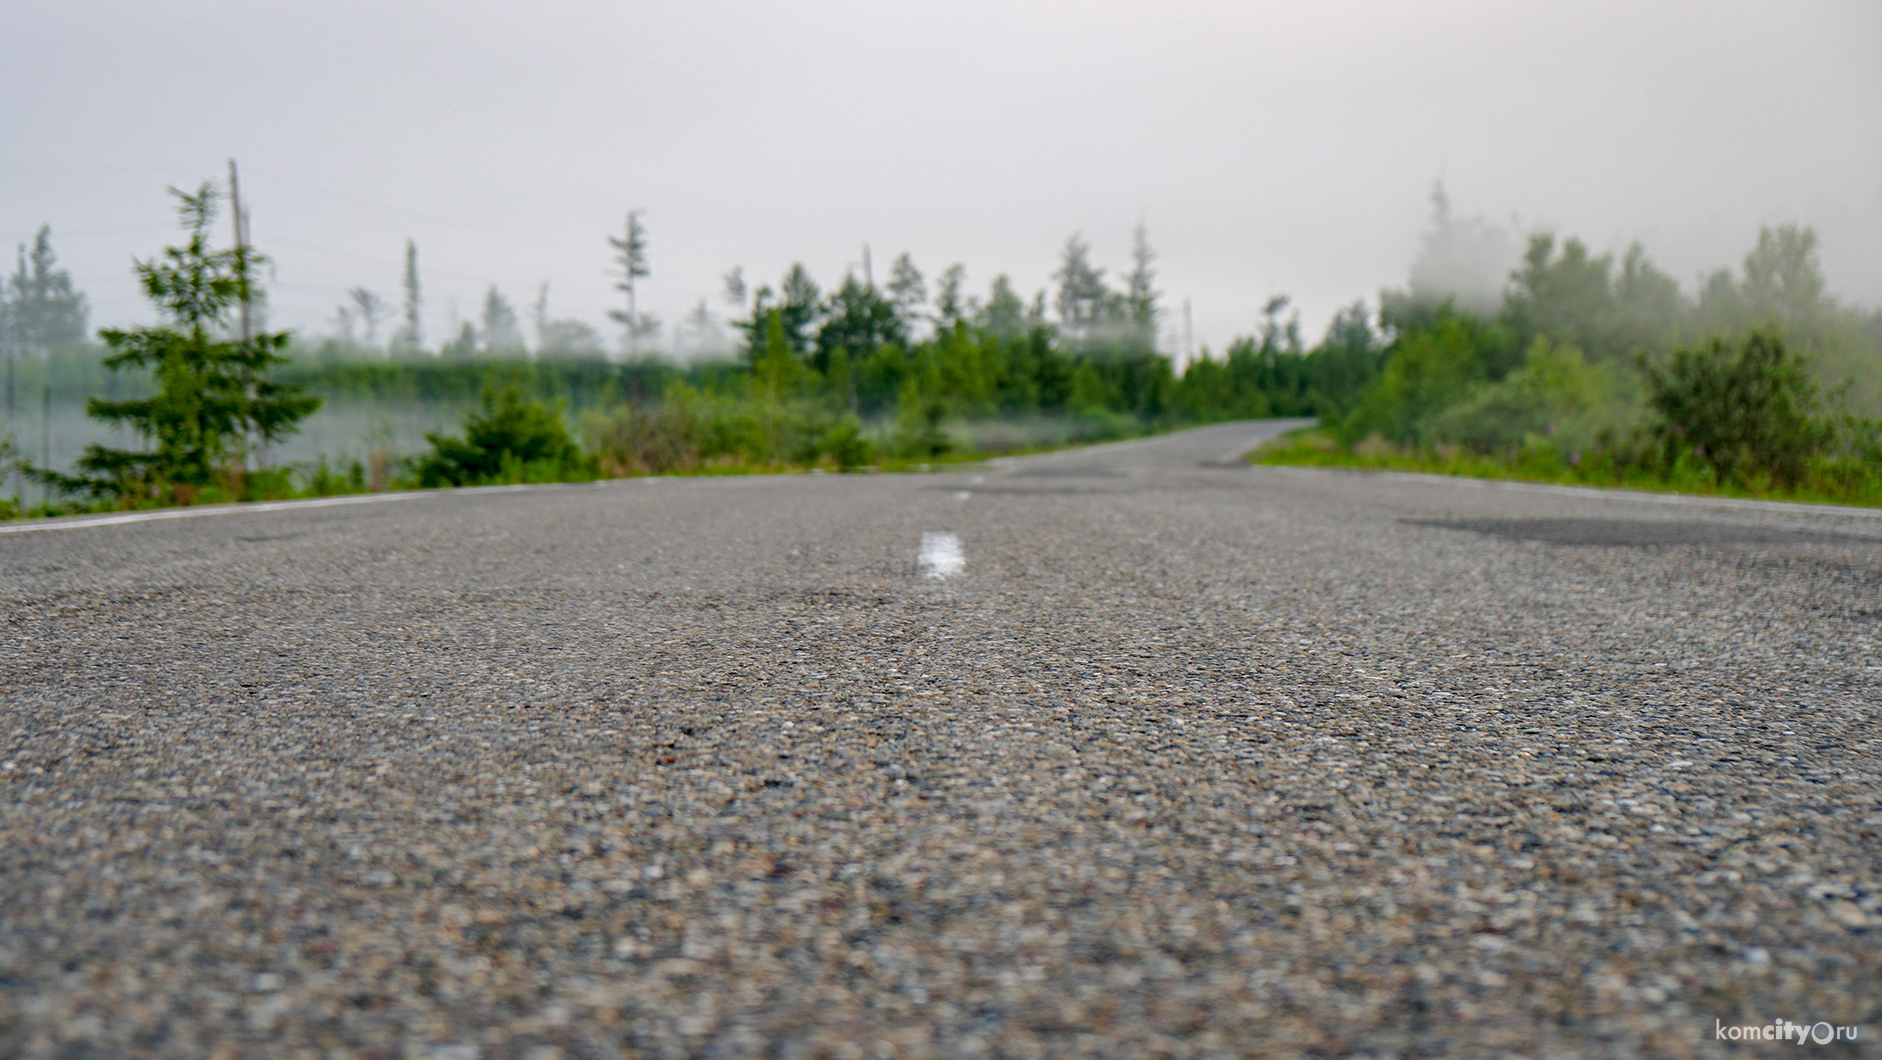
column 505, row 440
column 1431, row 370
column 326, row 481
column 845, row 444
column 1553, row 395
column 1751, row 414
column 919, row 433
column 637, row 439
column 689, row 430
column 9, row 462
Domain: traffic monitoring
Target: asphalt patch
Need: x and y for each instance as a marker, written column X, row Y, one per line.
column 1640, row 533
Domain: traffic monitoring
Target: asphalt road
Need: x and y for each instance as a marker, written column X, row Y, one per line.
column 1128, row 751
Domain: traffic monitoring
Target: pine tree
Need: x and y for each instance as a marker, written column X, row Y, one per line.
column 1005, row 312
column 951, row 303
column 502, row 337
column 368, row 309
column 562, row 338
column 631, row 258
column 46, row 312
column 1784, row 280
column 907, row 290
column 1082, row 294
column 702, row 331
column 214, row 397
column 858, row 320
column 411, row 337
column 463, row 347
column 1140, row 290
column 799, row 313
column 1463, row 260
column 735, row 292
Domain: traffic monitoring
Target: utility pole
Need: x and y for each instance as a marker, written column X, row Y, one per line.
column 241, row 249
column 1189, row 335
column 869, row 278
column 241, row 275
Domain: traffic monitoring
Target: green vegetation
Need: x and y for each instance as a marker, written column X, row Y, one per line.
column 1583, row 369
column 1589, row 374
column 10, row 462
column 214, row 407
column 507, row 440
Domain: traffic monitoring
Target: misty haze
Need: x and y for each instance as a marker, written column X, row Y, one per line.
column 967, row 530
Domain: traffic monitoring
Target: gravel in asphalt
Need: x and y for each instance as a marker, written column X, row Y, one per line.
column 1181, row 759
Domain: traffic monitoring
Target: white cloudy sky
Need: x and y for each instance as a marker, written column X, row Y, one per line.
column 1269, row 147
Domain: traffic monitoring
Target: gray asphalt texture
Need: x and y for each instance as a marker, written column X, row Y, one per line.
column 1191, row 759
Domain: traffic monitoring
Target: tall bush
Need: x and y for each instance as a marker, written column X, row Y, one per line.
column 1431, row 370
column 1552, row 395
column 505, row 440
column 1749, row 412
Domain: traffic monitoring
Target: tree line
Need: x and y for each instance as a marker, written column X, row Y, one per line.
column 1580, row 356
column 1602, row 369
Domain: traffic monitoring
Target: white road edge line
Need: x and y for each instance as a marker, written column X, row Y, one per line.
column 255, row 507
column 940, row 555
column 117, row 518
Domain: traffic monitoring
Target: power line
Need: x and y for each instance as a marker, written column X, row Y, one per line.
column 64, row 171
column 387, row 263
column 329, row 251
column 433, row 218
column 151, row 226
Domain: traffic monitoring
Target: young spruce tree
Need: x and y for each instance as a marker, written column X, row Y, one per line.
column 213, row 399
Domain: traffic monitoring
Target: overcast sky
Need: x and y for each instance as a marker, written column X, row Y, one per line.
column 1268, row 147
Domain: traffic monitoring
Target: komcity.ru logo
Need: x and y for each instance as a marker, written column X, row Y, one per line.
column 1784, row 1031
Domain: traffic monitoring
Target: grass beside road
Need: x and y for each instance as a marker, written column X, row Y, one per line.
column 966, row 442
column 1829, row 482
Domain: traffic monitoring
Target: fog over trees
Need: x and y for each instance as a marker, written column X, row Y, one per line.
column 1492, row 346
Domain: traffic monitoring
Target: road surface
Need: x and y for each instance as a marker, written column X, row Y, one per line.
column 1126, row 751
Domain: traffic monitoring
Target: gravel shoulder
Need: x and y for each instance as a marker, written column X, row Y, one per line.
column 1190, row 759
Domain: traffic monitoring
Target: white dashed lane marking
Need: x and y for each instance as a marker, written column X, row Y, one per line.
column 940, row 555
